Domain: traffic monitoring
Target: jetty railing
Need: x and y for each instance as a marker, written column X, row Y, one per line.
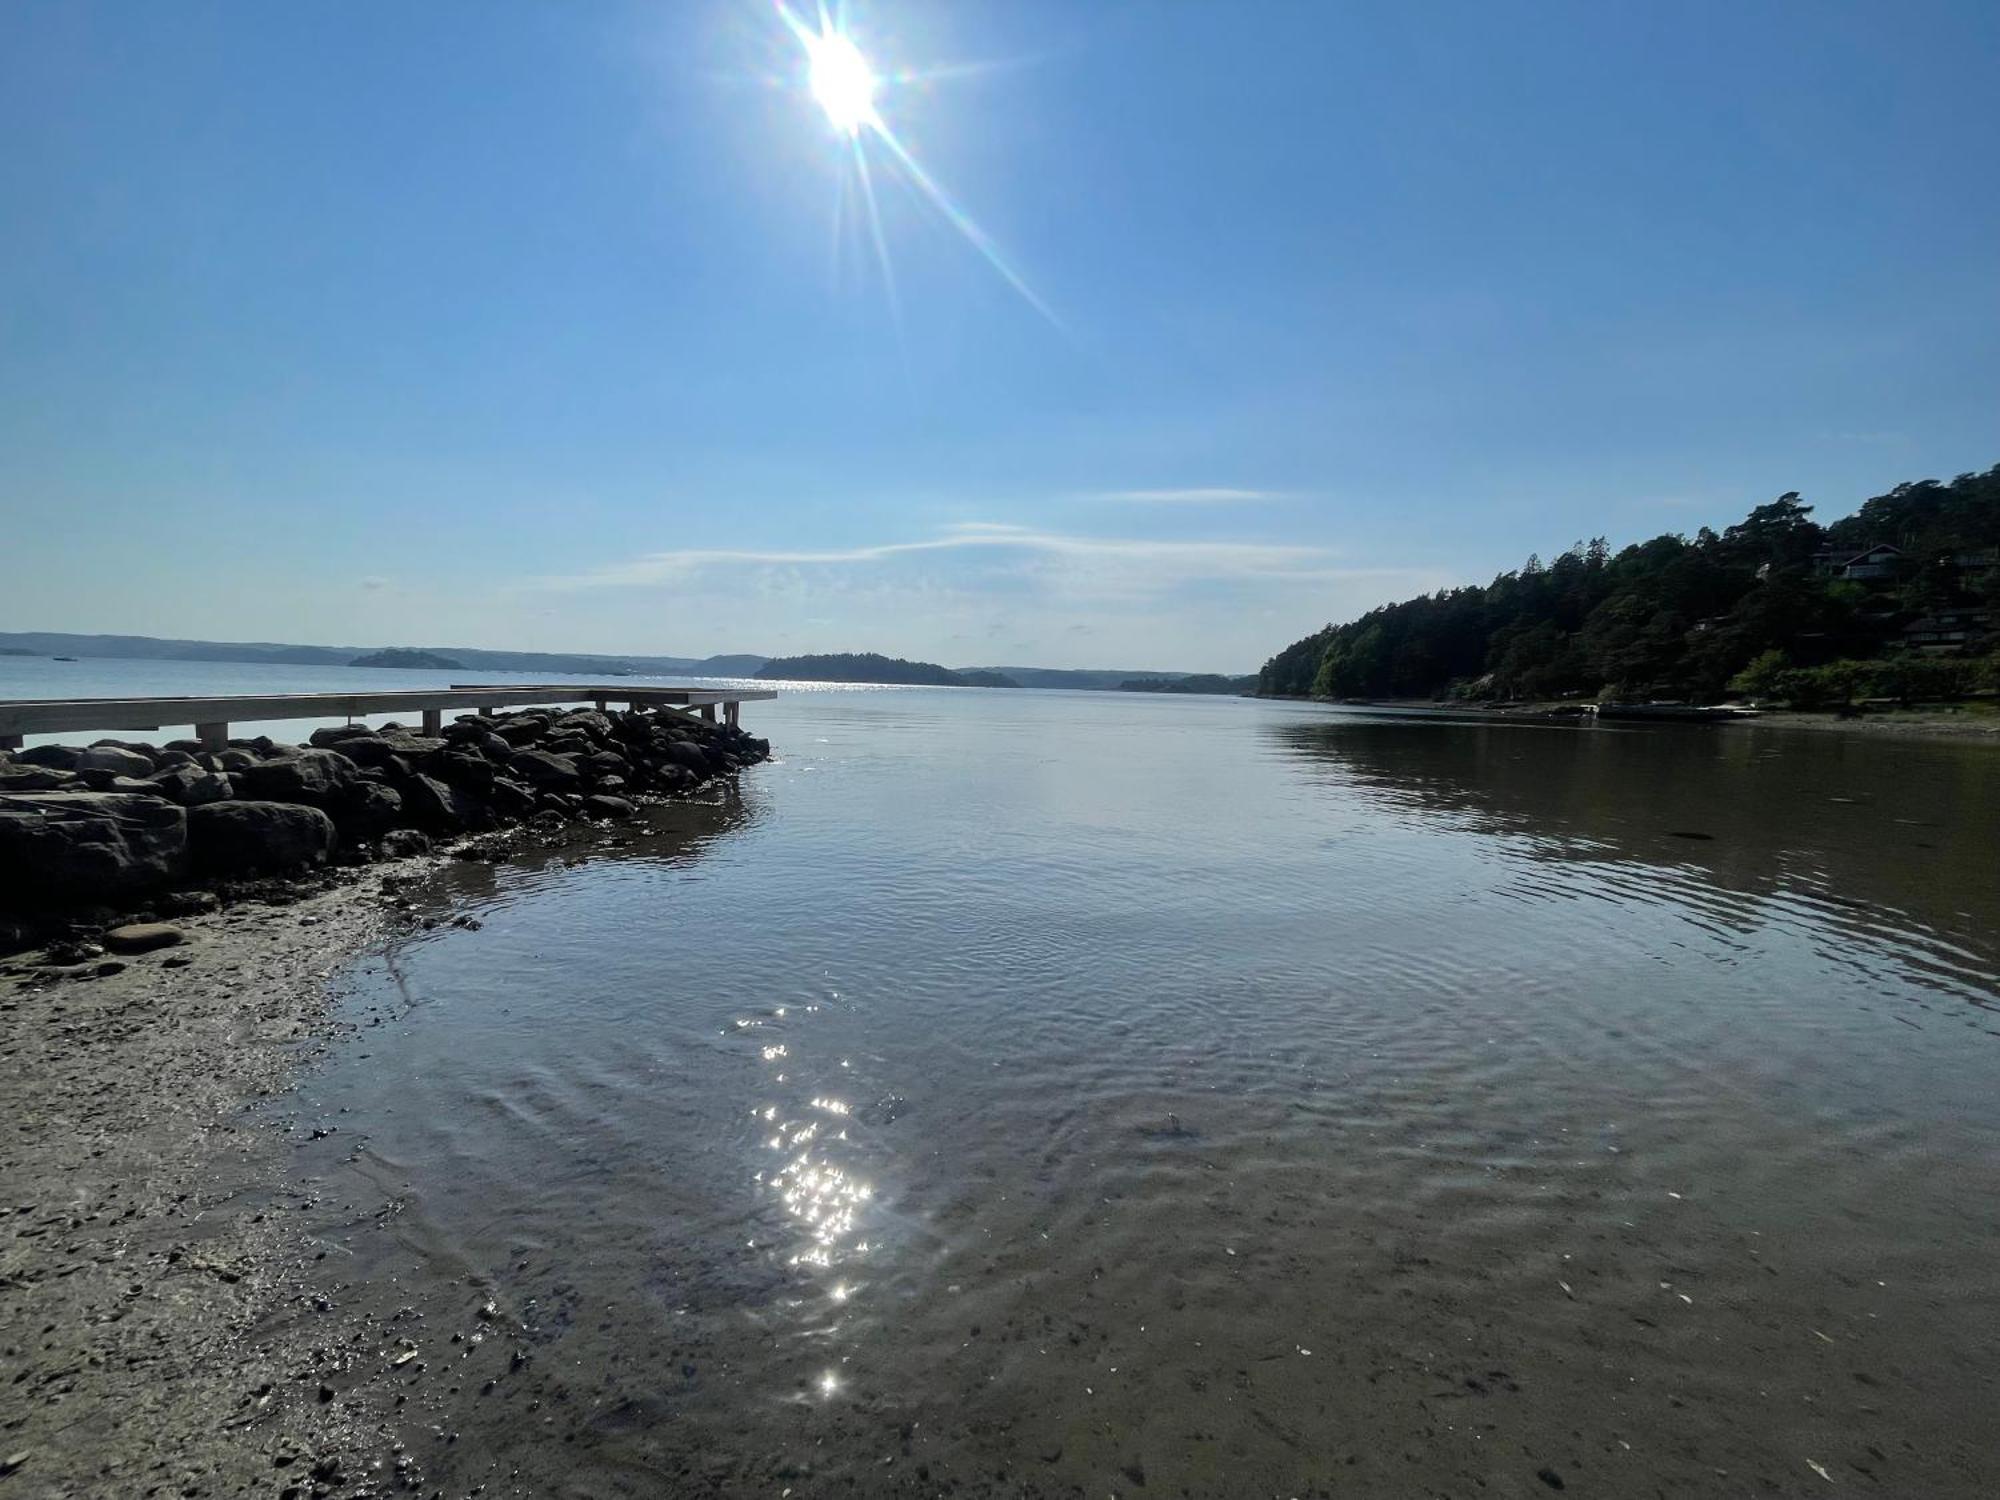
column 211, row 717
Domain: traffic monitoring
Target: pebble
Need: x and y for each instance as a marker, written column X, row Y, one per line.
column 143, row 937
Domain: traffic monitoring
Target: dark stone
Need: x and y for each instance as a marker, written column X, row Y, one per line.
column 167, row 759
column 510, row 799
column 690, row 757
column 367, row 749
column 438, row 806
column 335, row 735
column 234, row 759
column 129, row 785
column 143, row 937
column 607, row 763
column 186, row 903
column 602, row 806
column 545, row 770
column 238, row 837
column 55, row 757
column 522, row 731
column 315, row 777
column 402, row 843
column 592, row 723
column 116, row 759
column 467, row 728
column 15, row 777
column 73, row 846
column 191, row 786
column 464, row 768
column 367, row 810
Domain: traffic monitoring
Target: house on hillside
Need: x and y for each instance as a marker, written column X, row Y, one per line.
column 1948, row 630
column 1878, row 561
column 1975, row 565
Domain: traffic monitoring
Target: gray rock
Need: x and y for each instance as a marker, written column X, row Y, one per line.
column 73, row 846
column 401, row 843
column 15, row 777
column 143, row 937
column 437, row 806
column 510, row 799
column 690, row 757
column 115, row 759
column 334, row 735
column 545, row 770
column 314, row 777
column 522, row 731
column 56, row 757
column 589, row 720
column 191, row 786
column 238, row 837
column 234, row 759
column 366, row 810
column 601, row 806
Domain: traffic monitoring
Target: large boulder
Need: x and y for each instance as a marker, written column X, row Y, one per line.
column 545, row 770
column 367, row 810
column 367, row 749
column 524, row 730
column 15, row 777
column 85, row 846
column 510, row 799
column 689, row 756
column 242, row 838
column 56, row 757
column 314, row 777
column 438, row 807
column 192, row 786
column 116, row 759
column 333, row 736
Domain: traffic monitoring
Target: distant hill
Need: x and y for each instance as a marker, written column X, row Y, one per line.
column 865, row 666
column 156, row 648
column 1200, row 682
column 1089, row 679
column 404, row 656
column 978, row 678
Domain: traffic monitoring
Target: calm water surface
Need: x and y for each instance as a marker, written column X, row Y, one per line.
column 1041, row 1093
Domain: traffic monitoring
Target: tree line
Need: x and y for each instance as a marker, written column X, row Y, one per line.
column 1777, row 605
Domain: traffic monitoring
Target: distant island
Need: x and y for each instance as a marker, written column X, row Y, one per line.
column 1899, row 601
column 462, row 658
column 404, row 656
column 869, row 666
column 1200, row 682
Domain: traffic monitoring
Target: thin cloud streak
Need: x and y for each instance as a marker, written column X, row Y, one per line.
column 1210, row 496
column 1174, row 561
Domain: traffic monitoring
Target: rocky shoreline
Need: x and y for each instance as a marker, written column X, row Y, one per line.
column 105, row 846
column 173, row 1324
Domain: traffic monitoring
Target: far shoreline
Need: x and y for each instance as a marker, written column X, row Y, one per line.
column 1916, row 723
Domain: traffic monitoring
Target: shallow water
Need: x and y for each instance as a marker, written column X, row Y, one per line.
column 1044, row 1093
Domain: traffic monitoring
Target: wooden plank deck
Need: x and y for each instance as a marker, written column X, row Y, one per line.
column 211, row 717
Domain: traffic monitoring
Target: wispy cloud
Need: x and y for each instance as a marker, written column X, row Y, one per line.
column 1215, row 495
column 1159, row 562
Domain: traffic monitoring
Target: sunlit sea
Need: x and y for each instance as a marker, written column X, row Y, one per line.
column 1041, row 1093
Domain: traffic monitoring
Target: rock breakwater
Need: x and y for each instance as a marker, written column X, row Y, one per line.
column 100, row 830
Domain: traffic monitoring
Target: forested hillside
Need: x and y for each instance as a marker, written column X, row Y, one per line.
column 1777, row 604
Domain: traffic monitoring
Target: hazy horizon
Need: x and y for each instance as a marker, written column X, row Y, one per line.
column 1158, row 334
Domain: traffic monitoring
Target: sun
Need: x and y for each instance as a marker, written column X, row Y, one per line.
column 841, row 81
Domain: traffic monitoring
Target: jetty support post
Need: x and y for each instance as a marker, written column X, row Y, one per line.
column 11, row 741
column 729, row 711
column 707, row 711
column 433, row 722
column 213, row 735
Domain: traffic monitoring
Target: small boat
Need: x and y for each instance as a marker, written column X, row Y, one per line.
column 64, row 658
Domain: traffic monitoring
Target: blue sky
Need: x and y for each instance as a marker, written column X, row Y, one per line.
column 533, row 325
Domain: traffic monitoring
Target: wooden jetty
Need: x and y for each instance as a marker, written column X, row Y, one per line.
column 211, row 717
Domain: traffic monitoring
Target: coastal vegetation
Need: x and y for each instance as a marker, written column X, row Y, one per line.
column 868, row 666
column 1898, row 600
column 1199, row 682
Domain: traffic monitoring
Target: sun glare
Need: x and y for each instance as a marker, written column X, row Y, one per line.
column 841, row 81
